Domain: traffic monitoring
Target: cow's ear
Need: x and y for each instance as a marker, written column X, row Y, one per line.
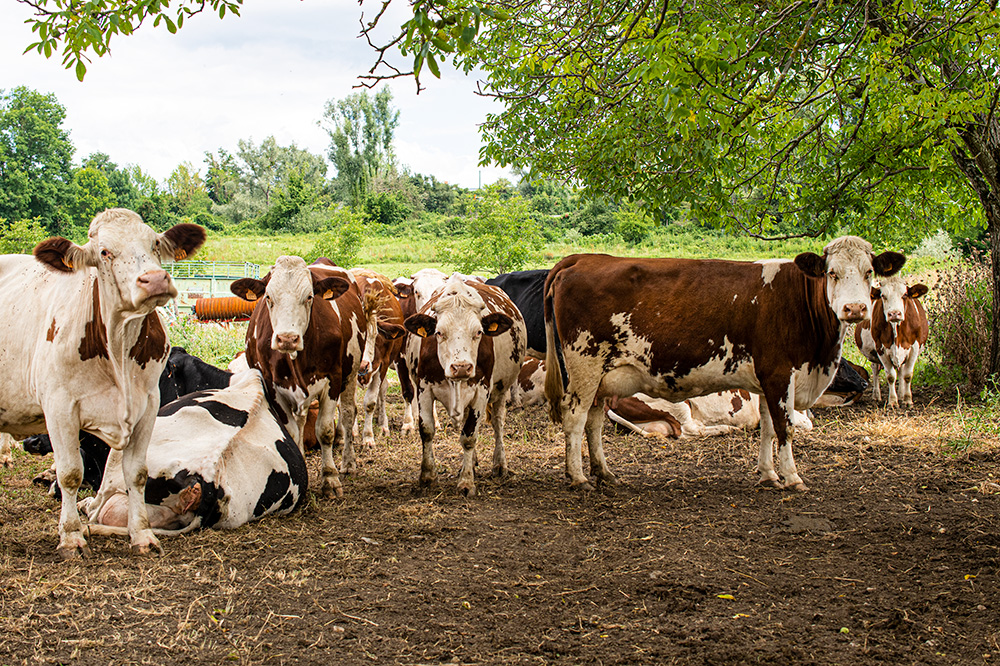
column 403, row 290
column 496, row 323
column 811, row 264
column 331, row 288
column 390, row 331
column 888, row 263
column 63, row 255
column 249, row 289
column 917, row 290
column 190, row 498
column 422, row 325
column 181, row 241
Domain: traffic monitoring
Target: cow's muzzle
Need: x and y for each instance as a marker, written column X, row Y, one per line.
column 287, row 343
column 461, row 370
column 854, row 312
column 155, row 283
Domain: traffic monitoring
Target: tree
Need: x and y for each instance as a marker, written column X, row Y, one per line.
column 502, row 233
column 188, row 189
column 361, row 129
column 122, row 188
column 35, row 157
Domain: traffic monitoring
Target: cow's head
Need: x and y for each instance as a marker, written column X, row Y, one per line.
column 128, row 256
column 458, row 319
column 850, row 268
column 893, row 292
column 371, row 306
column 289, row 290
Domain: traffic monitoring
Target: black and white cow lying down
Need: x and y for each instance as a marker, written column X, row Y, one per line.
column 217, row 458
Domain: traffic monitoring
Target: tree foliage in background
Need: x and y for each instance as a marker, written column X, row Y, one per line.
column 36, row 177
column 502, row 233
column 20, row 236
column 361, row 128
column 343, row 239
column 91, row 195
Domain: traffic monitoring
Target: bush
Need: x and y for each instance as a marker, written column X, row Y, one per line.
column 502, row 233
column 385, row 209
column 21, row 236
column 343, row 241
column 632, row 224
column 961, row 319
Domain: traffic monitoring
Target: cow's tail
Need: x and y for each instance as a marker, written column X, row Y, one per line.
column 554, row 371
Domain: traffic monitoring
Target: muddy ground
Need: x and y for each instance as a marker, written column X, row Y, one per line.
column 891, row 557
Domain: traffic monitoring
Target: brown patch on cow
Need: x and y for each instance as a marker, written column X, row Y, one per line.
column 737, row 402
column 51, row 334
column 95, row 339
column 152, row 342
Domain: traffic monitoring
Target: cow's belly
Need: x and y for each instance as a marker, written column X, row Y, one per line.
column 631, row 378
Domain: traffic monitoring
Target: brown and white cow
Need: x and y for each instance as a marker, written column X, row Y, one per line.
column 383, row 345
column 894, row 336
column 679, row 328
column 466, row 350
column 306, row 336
column 83, row 349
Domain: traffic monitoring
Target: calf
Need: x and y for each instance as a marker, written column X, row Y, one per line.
column 679, row 328
column 306, row 336
column 466, row 351
column 526, row 290
column 383, row 344
column 894, row 336
column 218, row 458
column 83, row 349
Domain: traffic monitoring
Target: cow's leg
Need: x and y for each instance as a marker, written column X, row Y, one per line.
column 779, row 410
column 890, row 378
column 383, row 416
column 467, row 438
column 765, row 457
column 6, row 443
column 425, row 424
column 65, row 439
column 499, row 408
column 594, row 430
column 370, row 404
column 876, row 389
column 406, row 388
column 574, row 421
column 906, row 375
column 134, row 472
column 331, row 443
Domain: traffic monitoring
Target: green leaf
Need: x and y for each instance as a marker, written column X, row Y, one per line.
column 81, row 70
column 432, row 64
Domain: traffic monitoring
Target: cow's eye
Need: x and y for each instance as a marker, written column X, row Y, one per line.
column 107, row 254
column 868, row 275
column 833, row 276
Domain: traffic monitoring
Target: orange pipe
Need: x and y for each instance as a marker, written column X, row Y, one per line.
column 224, row 307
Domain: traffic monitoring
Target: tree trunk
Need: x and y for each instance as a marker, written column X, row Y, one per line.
column 993, row 228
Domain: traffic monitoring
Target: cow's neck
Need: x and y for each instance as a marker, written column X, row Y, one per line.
column 829, row 329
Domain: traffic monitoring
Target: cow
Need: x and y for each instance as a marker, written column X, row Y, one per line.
column 218, row 458
column 530, row 387
column 6, row 445
column 83, row 349
column 306, row 336
column 847, row 386
column 709, row 415
column 412, row 293
column 182, row 374
column 525, row 289
column 679, row 328
column 894, row 336
column 382, row 350
column 465, row 351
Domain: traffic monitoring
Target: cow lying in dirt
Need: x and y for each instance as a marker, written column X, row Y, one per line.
column 217, row 458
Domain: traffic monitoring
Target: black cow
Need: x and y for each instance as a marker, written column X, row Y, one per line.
column 183, row 374
column 525, row 289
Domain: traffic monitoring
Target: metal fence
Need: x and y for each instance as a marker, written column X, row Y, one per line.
column 222, row 270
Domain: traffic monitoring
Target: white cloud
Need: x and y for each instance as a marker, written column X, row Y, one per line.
column 161, row 99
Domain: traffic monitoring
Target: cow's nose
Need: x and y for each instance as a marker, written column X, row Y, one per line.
column 461, row 370
column 895, row 315
column 854, row 312
column 154, row 283
column 364, row 369
column 287, row 341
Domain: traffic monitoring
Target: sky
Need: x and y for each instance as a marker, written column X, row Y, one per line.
column 159, row 99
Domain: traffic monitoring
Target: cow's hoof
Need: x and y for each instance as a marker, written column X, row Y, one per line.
column 500, row 472
column 583, row 486
column 147, row 549
column 467, row 489
column 606, row 479
column 329, row 490
column 797, row 487
column 75, row 550
column 770, row 483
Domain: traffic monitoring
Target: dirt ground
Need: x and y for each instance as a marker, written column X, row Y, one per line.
column 891, row 557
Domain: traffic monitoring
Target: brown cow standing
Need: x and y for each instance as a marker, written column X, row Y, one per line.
column 679, row 328
column 306, row 336
column 894, row 337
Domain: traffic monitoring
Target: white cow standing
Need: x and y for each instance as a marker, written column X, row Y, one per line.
column 466, row 350
column 83, row 349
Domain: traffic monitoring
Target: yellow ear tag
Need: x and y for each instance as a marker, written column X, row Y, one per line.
column 250, row 296
column 67, row 262
column 180, row 254
column 328, row 295
column 493, row 327
column 422, row 332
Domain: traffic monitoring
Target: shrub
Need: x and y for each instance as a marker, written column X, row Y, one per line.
column 938, row 246
column 632, row 224
column 502, row 233
column 387, row 209
column 21, row 236
column 343, row 240
column 961, row 318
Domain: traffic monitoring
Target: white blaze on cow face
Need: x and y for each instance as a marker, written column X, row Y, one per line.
column 289, row 298
column 425, row 282
column 459, row 329
column 892, row 292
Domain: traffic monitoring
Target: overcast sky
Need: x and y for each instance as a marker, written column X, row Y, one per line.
column 159, row 99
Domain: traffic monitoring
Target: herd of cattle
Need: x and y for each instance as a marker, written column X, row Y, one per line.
column 674, row 347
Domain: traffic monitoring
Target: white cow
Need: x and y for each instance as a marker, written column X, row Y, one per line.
column 466, row 350
column 217, row 458
column 83, row 348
